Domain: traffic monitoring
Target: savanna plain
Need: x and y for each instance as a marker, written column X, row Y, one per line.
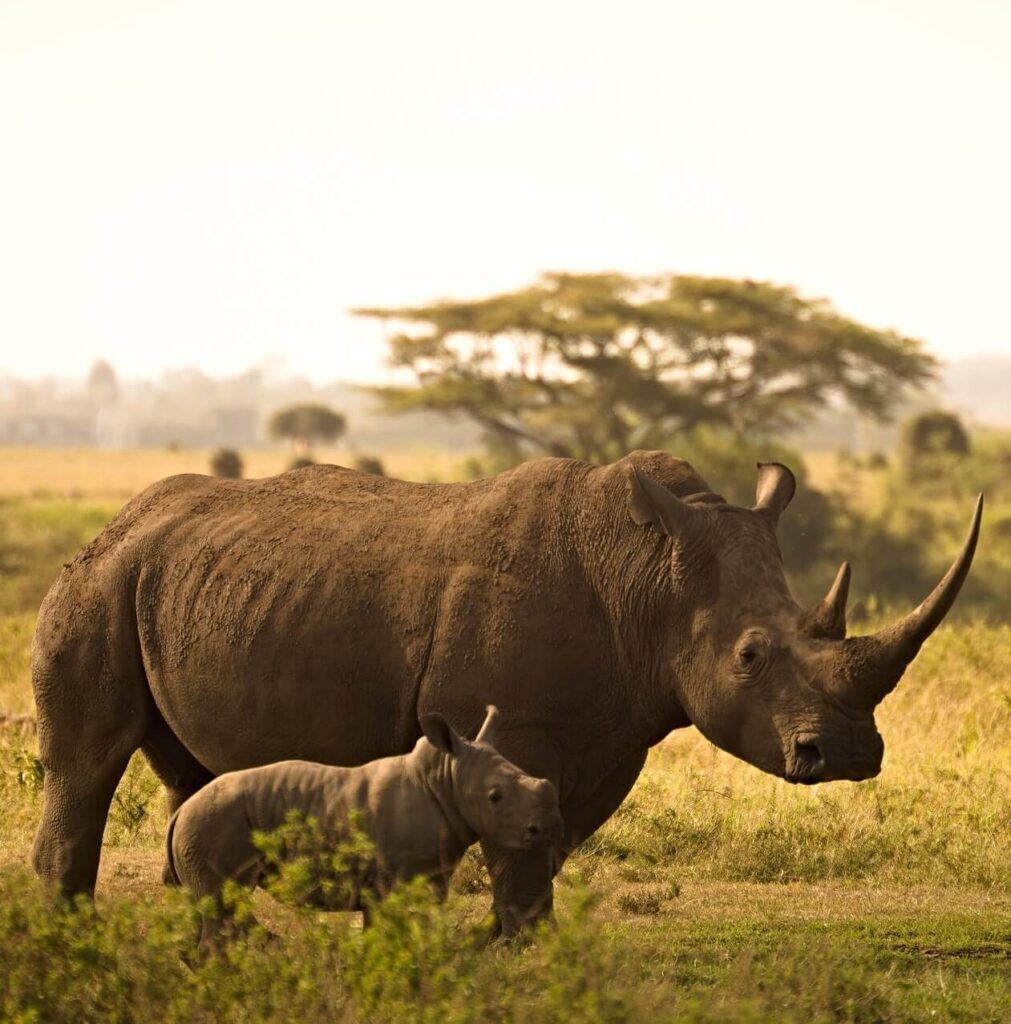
column 716, row 893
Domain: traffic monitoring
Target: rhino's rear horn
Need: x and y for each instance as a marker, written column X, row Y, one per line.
column 827, row 619
column 774, row 490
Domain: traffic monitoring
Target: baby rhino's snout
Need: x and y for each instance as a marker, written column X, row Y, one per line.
column 544, row 824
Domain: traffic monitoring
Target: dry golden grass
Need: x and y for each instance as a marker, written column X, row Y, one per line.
column 110, row 474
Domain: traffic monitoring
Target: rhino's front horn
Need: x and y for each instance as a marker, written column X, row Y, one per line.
column 875, row 663
column 827, row 619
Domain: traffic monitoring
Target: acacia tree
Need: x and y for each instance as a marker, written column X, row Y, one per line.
column 594, row 365
column 304, row 424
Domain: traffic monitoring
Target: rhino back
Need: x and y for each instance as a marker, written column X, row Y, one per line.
column 300, row 615
column 313, row 614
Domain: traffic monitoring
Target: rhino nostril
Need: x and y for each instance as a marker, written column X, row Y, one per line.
column 808, row 755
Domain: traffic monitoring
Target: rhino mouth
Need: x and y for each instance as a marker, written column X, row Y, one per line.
column 806, row 765
column 536, row 836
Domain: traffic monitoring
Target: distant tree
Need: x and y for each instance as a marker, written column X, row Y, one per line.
column 936, row 431
column 929, row 440
column 593, row 365
column 102, row 385
column 304, row 424
column 369, row 464
column 226, row 462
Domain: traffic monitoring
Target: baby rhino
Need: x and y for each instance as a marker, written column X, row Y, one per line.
column 421, row 811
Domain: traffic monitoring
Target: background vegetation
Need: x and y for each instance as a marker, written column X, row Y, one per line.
column 592, row 366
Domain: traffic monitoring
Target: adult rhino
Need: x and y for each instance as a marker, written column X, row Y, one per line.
column 221, row 624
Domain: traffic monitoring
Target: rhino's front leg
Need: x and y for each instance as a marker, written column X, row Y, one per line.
column 522, row 883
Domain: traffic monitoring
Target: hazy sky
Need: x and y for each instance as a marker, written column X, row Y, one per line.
column 214, row 183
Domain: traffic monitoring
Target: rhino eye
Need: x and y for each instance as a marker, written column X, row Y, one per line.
column 494, row 795
column 751, row 655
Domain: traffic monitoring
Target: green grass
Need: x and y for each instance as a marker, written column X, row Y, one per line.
column 37, row 535
column 718, row 893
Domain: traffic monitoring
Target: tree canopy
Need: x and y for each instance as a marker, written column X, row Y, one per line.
column 304, row 424
column 594, row 365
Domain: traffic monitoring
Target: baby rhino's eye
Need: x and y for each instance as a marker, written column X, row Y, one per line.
column 494, row 794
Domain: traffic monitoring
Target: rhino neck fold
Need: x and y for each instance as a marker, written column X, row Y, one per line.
column 436, row 772
column 629, row 569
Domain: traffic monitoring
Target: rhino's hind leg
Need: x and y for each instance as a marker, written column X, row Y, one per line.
column 77, row 795
column 93, row 710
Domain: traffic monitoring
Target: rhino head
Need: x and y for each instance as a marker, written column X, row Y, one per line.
column 496, row 799
column 781, row 687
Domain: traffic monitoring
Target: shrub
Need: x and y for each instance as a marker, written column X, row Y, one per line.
column 930, row 443
column 648, row 901
column 369, row 464
column 309, row 866
column 420, row 961
column 935, row 431
column 226, row 462
column 132, row 803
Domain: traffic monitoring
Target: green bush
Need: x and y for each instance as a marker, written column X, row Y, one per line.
column 933, row 433
column 369, row 464
column 126, row 961
column 227, row 463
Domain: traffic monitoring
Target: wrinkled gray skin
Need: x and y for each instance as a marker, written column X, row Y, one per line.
column 421, row 811
column 222, row 624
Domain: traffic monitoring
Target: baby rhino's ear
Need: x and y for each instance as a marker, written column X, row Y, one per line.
column 440, row 734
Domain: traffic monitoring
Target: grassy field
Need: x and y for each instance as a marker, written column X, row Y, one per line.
column 715, row 894
column 117, row 475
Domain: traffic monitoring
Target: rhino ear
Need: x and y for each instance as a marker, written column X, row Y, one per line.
column 775, row 489
column 440, row 734
column 650, row 503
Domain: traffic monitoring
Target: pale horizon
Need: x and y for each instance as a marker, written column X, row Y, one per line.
column 214, row 184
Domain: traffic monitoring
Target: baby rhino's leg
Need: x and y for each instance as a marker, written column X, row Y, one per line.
column 208, row 850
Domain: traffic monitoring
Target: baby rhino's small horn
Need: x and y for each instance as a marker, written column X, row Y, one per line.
column 486, row 734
